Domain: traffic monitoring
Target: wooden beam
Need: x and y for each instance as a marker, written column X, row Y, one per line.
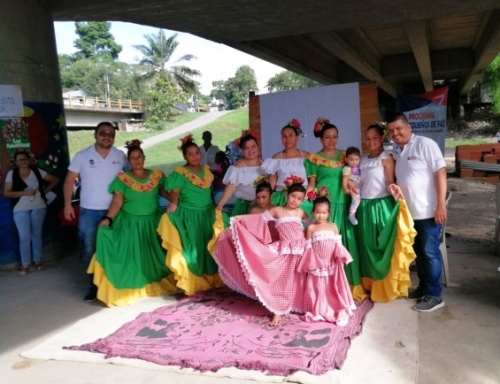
column 340, row 48
column 488, row 47
column 418, row 35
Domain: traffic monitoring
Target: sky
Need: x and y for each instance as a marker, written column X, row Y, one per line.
column 214, row 61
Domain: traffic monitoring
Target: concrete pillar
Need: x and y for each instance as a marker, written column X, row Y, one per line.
column 28, row 57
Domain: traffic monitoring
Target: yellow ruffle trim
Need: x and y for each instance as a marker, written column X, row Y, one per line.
column 196, row 180
column 218, row 228
column 114, row 297
column 185, row 280
column 319, row 160
column 149, row 185
column 397, row 281
column 358, row 293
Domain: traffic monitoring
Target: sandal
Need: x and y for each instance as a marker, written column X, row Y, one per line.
column 38, row 266
column 23, row 272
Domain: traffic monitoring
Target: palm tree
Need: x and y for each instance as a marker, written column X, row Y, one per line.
column 157, row 54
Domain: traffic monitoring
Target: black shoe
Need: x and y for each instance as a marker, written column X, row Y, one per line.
column 417, row 294
column 90, row 296
column 429, row 304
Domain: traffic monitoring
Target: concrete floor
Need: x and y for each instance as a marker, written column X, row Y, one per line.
column 458, row 344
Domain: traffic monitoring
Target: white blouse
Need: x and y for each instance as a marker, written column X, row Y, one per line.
column 373, row 176
column 243, row 178
column 285, row 168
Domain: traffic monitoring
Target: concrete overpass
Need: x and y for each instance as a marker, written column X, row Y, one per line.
column 87, row 112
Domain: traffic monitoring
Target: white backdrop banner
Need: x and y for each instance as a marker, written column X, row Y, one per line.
column 338, row 103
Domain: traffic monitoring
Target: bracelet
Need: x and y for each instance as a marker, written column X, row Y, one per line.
column 109, row 219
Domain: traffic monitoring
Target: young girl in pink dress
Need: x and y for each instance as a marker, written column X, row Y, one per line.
column 263, row 192
column 327, row 295
column 251, row 263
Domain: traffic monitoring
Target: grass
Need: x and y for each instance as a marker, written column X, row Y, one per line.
column 452, row 143
column 166, row 156
column 78, row 140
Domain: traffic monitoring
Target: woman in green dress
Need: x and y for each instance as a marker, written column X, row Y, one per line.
column 129, row 262
column 324, row 168
column 187, row 227
column 385, row 229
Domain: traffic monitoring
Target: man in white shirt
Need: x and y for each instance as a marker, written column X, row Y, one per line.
column 208, row 151
column 96, row 167
column 421, row 180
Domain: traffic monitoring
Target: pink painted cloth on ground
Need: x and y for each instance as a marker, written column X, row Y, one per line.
column 220, row 328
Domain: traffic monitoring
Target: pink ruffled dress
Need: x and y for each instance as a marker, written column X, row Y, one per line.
column 327, row 294
column 258, row 257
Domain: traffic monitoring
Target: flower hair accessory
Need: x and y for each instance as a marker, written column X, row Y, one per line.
column 320, row 123
column 292, row 179
column 259, row 180
column 317, row 192
column 185, row 140
column 244, row 133
column 136, row 143
column 295, row 124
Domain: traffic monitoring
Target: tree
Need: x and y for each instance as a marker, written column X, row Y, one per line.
column 237, row 88
column 288, row 81
column 491, row 79
column 158, row 53
column 162, row 99
column 95, row 39
column 102, row 78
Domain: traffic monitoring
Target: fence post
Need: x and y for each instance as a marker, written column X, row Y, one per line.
column 130, row 105
column 120, row 104
column 108, row 103
column 69, row 100
column 84, row 102
column 96, row 106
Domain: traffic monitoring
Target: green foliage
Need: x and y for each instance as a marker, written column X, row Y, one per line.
column 288, row 81
column 491, row 79
column 162, row 99
column 95, row 40
column 234, row 91
column 157, row 54
column 102, row 78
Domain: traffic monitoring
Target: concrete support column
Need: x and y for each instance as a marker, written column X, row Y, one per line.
column 28, row 58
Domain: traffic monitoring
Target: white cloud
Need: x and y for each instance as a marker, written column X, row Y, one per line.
column 214, row 61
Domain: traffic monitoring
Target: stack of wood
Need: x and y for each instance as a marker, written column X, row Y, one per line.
column 480, row 162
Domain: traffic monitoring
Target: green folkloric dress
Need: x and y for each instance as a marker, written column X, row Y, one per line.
column 328, row 173
column 129, row 262
column 187, row 231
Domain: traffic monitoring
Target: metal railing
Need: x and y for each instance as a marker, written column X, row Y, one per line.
column 99, row 104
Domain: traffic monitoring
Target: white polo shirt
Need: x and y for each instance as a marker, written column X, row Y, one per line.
column 208, row 157
column 96, row 174
column 415, row 168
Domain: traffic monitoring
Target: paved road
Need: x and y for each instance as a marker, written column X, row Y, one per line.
column 184, row 128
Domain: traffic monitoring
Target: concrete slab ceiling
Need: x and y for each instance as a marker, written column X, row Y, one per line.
column 403, row 46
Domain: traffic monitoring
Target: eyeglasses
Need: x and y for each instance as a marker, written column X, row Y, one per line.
column 104, row 134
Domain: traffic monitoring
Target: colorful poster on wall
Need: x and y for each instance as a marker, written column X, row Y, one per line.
column 41, row 132
column 11, row 101
column 426, row 113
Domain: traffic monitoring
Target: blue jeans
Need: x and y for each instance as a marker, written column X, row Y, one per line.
column 429, row 259
column 87, row 225
column 30, row 227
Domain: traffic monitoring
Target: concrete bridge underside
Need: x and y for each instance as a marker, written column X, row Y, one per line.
column 403, row 46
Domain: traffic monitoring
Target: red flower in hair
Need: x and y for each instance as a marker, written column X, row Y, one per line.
column 320, row 123
column 186, row 139
column 294, row 123
column 244, row 133
column 292, row 179
column 133, row 143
